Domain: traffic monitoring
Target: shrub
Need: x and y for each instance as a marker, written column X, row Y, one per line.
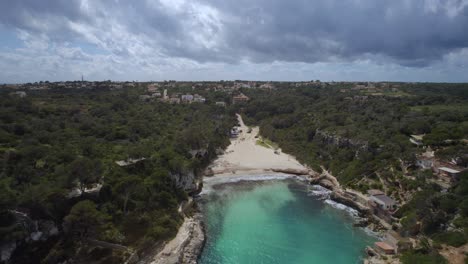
column 452, row 238
column 415, row 257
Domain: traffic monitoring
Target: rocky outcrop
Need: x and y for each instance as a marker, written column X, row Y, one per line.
column 292, row 171
column 342, row 199
column 326, row 181
column 339, row 141
column 208, row 172
column 185, row 181
column 338, row 194
column 195, row 245
column 6, row 250
column 32, row 230
column 186, row 246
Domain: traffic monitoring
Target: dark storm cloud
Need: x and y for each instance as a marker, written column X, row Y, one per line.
column 29, row 14
column 410, row 32
column 413, row 33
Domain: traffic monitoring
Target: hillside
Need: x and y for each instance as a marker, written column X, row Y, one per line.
column 82, row 168
column 363, row 138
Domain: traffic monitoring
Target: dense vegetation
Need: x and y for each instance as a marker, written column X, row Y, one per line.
column 57, row 145
column 363, row 139
column 61, row 190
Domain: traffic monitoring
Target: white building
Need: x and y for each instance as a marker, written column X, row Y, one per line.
column 383, row 201
column 187, row 98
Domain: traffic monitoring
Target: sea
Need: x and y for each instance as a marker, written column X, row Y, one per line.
column 273, row 219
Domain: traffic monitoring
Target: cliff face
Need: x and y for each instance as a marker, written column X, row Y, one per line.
column 32, row 230
column 197, row 239
column 330, row 138
column 185, row 181
column 185, row 247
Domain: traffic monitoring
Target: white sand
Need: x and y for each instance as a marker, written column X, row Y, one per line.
column 244, row 155
column 243, row 158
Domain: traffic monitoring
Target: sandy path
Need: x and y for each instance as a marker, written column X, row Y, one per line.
column 454, row 255
column 244, row 155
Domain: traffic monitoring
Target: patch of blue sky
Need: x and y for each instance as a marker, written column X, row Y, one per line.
column 9, row 39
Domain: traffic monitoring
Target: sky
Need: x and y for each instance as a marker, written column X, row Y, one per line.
column 278, row 40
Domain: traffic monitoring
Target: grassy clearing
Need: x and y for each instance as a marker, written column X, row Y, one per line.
column 271, row 143
column 262, row 143
column 265, row 142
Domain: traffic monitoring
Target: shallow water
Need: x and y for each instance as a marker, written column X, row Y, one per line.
column 277, row 222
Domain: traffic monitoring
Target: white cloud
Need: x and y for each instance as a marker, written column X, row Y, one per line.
column 246, row 39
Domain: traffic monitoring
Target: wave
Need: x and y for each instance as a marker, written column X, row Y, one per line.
column 372, row 233
column 349, row 210
column 320, row 192
column 323, row 193
column 217, row 180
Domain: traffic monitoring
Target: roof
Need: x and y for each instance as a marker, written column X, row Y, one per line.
column 383, row 245
column 418, row 137
column 241, row 96
column 375, row 192
column 123, row 163
column 384, row 198
column 449, row 170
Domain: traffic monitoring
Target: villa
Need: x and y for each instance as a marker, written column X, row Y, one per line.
column 240, row 98
column 384, row 202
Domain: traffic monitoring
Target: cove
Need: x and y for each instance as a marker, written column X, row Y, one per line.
column 277, row 222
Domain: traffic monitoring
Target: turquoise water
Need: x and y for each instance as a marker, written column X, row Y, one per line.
column 277, row 222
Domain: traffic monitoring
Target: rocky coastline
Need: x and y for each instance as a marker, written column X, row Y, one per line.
column 339, row 195
column 196, row 242
column 245, row 156
column 185, row 247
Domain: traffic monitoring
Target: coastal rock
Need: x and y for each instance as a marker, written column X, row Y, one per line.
column 362, row 223
column 338, row 197
column 193, row 248
column 208, row 172
column 339, row 141
column 6, row 250
column 374, row 260
column 186, row 246
column 324, row 181
column 293, row 171
column 185, row 181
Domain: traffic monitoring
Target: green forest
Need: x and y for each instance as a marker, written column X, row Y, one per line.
column 362, row 138
column 61, row 188
column 87, row 167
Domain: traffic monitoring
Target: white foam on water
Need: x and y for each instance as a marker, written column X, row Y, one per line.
column 320, row 192
column 371, row 233
column 324, row 194
column 208, row 183
column 349, row 210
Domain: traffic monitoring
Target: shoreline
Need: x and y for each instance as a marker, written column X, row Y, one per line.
column 185, row 247
column 188, row 248
column 245, row 159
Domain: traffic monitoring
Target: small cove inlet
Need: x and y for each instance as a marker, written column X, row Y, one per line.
column 276, row 219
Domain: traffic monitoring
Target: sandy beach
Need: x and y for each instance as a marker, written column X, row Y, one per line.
column 245, row 158
column 244, row 155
